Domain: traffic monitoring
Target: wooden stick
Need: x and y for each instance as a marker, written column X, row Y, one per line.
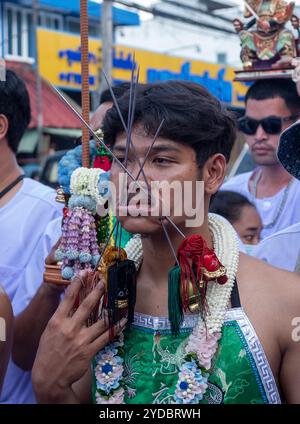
column 85, row 88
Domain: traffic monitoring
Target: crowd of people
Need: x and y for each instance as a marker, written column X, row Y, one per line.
column 50, row 356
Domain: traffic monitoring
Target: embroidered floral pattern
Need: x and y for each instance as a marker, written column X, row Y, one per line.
column 109, row 373
column 204, row 345
column 192, row 384
column 116, row 398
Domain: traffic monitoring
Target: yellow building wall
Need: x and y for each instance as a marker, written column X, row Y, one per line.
column 59, row 63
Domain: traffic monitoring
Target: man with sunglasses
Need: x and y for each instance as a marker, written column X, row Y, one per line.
column 283, row 248
column 271, row 107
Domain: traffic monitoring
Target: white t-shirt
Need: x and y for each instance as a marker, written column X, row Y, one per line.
column 17, row 387
column 281, row 249
column 269, row 206
column 23, row 221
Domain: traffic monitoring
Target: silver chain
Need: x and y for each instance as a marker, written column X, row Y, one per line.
column 253, row 191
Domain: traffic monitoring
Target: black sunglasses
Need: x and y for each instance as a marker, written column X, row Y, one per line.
column 271, row 125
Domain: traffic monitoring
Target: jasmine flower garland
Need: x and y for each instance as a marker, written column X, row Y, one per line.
column 71, row 161
column 79, row 248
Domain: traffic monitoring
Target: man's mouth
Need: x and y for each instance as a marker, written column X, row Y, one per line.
column 261, row 150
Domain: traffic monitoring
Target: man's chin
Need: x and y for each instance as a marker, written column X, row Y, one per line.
column 141, row 224
column 264, row 160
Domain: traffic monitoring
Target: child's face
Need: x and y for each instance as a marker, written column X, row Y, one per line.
column 249, row 225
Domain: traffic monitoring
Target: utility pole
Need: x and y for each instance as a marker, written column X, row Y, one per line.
column 107, row 43
column 39, row 99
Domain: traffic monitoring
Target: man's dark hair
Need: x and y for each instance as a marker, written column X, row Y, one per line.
column 273, row 88
column 15, row 105
column 192, row 116
column 229, row 204
column 118, row 91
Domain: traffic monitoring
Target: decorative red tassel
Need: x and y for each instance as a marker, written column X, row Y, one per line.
column 198, row 265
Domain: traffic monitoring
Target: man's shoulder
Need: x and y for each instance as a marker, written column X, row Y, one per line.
column 37, row 191
column 237, row 182
column 281, row 249
column 286, row 233
column 277, row 287
column 295, row 188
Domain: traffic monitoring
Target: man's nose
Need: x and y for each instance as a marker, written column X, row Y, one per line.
column 260, row 134
column 139, row 171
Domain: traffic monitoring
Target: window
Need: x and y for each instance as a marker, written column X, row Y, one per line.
column 73, row 25
column 222, row 58
column 9, row 33
column 30, row 37
column 16, row 31
column 57, row 24
column 94, row 30
column 19, row 31
column 50, row 20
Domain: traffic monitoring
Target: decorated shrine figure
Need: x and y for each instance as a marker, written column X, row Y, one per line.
column 296, row 25
column 268, row 42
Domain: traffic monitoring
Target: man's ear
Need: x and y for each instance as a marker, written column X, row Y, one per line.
column 213, row 173
column 3, row 126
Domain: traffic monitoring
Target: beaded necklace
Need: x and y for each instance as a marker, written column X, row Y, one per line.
column 279, row 210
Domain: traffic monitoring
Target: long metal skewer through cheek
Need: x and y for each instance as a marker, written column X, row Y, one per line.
column 127, row 130
column 170, row 242
column 133, row 149
column 94, row 134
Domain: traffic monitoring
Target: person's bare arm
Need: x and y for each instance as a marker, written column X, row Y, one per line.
column 83, row 388
column 6, row 333
column 290, row 373
column 290, row 365
column 31, row 323
column 67, row 348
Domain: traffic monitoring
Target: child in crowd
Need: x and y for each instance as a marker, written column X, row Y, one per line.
column 242, row 214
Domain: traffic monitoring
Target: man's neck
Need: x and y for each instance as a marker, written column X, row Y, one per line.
column 157, row 253
column 9, row 171
column 272, row 179
column 152, row 287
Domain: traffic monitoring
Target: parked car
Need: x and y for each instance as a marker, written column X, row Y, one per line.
column 49, row 171
column 32, row 170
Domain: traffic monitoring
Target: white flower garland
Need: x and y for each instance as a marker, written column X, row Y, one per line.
column 84, row 182
column 201, row 345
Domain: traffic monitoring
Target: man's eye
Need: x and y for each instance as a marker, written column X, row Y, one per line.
column 162, row 161
column 120, row 159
